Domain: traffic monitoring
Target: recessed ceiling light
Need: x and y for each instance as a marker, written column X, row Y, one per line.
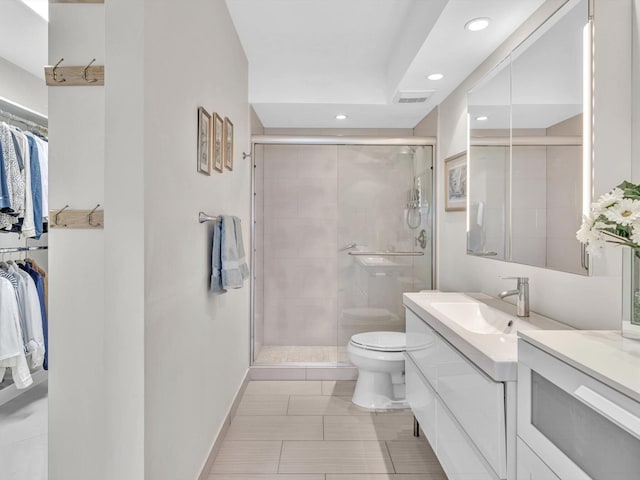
column 435, row 76
column 482, row 118
column 477, row 24
column 341, row 116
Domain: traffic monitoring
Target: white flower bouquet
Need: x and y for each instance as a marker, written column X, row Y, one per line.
column 614, row 218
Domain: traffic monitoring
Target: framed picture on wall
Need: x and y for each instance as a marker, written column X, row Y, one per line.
column 218, row 143
column 455, row 177
column 228, row 143
column 204, row 141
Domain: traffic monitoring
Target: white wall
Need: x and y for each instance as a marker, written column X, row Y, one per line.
column 145, row 362
column 76, row 270
column 428, row 126
column 124, row 173
column 196, row 345
column 256, row 125
column 22, row 87
column 585, row 302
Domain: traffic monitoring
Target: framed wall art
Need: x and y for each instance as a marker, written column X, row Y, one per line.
column 204, row 141
column 218, row 143
column 455, row 177
column 228, row 143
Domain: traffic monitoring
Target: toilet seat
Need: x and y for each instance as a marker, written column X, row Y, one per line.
column 381, row 341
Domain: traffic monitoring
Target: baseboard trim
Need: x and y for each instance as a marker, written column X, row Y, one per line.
column 215, row 448
column 287, row 372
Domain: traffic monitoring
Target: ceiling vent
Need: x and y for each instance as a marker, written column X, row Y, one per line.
column 412, row 96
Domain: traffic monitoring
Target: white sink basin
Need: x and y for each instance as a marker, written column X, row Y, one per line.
column 477, row 317
column 483, row 328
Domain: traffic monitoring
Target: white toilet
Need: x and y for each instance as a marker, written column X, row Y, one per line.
column 379, row 357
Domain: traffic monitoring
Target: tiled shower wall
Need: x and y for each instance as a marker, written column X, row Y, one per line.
column 564, row 199
column 299, row 218
column 312, row 200
column 374, row 183
column 529, row 205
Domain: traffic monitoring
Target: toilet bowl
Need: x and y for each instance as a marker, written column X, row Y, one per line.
column 379, row 357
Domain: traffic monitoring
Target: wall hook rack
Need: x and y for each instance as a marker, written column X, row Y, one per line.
column 54, row 72
column 91, row 215
column 245, row 155
column 62, row 76
column 84, row 73
column 57, row 217
column 65, row 218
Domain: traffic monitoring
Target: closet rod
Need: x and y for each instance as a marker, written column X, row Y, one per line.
column 24, row 121
column 23, row 249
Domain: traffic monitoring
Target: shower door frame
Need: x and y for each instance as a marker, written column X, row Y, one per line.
column 337, row 141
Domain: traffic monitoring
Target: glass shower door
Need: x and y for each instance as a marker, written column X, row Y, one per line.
column 384, row 235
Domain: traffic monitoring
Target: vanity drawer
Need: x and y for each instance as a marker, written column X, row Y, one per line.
column 422, row 345
column 456, row 452
column 530, row 467
column 476, row 401
column 422, row 400
column 582, row 428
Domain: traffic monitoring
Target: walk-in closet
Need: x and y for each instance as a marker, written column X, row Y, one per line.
column 23, row 291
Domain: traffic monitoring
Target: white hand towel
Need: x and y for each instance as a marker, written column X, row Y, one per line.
column 234, row 265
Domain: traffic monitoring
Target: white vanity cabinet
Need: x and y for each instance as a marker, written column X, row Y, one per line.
column 578, row 406
column 462, row 411
column 530, row 466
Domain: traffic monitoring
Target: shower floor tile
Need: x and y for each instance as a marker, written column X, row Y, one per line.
column 301, row 354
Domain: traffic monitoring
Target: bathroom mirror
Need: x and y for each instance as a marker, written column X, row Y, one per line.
column 528, row 149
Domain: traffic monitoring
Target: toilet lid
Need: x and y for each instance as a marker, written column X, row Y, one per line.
column 381, row 341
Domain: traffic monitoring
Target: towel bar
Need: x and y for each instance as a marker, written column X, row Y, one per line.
column 203, row 217
column 385, row 254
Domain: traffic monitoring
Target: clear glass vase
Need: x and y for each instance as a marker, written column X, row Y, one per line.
column 630, row 293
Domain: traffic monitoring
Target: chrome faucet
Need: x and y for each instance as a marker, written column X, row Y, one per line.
column 522, row 291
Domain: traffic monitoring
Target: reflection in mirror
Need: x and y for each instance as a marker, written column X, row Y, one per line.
column 489, row 106
column 526, row 158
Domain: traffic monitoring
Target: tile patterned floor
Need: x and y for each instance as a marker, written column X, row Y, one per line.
column 310, row 430
column 286, row 354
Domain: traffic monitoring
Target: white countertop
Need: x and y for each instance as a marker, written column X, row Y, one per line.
column 602, row 354
column 495, row 354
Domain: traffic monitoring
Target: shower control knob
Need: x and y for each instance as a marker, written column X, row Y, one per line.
column 421, row 239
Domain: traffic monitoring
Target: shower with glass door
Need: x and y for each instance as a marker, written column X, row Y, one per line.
column 340, row 232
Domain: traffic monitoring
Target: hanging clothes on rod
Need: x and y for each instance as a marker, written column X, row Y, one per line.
column 23, row 318
column 16, row 120
column 24, row 180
